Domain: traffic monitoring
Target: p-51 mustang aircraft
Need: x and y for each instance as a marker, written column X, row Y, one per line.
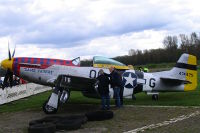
column 66, row 76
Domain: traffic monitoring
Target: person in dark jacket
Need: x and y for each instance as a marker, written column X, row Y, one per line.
column 121, row 93
column 103, row 88
column 116, row 84
column 1, row 83
column 15, row 81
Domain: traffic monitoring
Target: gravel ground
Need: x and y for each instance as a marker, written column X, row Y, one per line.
column 125, row 119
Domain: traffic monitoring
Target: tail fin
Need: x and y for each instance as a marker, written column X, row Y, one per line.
column 186, row 69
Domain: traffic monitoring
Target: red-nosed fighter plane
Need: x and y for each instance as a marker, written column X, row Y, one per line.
column 67, row 75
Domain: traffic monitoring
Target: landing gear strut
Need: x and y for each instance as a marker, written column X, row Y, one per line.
column 155, row 97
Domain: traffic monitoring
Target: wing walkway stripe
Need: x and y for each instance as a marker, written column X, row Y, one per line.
column 156, row 106
column 160, row 106
column 164, row 123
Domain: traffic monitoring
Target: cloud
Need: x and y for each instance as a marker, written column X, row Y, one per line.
column 106, row 46
column 121, row 44
column 91, row 27
column 39, row 22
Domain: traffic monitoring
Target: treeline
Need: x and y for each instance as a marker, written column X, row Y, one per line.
column 174, row 46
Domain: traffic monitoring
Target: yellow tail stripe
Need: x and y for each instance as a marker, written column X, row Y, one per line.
column 191, row 75
column 192, row 60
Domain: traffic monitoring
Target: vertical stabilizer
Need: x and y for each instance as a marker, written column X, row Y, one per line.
column 186, row 69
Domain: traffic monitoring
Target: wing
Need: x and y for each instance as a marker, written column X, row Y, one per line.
column 74, row 82
column 88, row 86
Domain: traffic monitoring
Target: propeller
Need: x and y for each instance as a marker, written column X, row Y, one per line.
column 9, row 73
column 14, row 52
column 9, row 54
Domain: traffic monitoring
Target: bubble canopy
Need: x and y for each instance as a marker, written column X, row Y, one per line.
column 104, row 60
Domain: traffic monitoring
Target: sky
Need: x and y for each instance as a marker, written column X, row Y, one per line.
column 67, row 29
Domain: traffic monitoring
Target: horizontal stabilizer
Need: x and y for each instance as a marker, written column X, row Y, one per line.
column 174, row 81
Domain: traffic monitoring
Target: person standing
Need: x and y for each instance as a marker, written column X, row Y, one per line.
column 103, row 88
column 121, row 93
column 1, row 83
column 116, row 84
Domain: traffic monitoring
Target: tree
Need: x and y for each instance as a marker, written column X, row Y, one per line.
column 170, row 42
column 132, row 52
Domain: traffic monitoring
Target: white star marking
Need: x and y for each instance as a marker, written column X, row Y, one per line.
column 129, row 80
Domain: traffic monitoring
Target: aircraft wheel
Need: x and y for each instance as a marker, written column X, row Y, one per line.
column 155, row 97
column 48, row 109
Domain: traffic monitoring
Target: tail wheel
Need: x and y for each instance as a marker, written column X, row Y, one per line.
column 48, row 109
column 133, row 97
column 155, row 97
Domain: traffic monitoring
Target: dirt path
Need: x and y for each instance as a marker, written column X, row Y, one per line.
column 125, row 119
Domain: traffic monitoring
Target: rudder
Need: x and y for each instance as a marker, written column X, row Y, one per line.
column 188, row 65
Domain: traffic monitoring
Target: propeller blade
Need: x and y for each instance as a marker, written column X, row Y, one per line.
column 9, row 54
column 14, row 52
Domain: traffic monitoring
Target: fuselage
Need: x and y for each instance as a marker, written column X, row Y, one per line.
column 45, row 71
column 142, row 82
column 37, row 70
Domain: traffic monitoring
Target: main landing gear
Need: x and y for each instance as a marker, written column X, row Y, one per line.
column 58, row 97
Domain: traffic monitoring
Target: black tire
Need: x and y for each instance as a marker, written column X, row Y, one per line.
column 49, row 110
column 42, row 128
column 48, row 119
column 82, row 118
column 99, row 115
column 68, row 125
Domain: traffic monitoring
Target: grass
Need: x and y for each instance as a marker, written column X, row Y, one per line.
column 165, row 99
column 32, row 102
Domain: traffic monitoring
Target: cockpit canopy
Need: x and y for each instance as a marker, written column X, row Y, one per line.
column 99, row 61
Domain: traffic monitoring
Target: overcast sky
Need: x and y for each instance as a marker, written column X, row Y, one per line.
column 69, row 28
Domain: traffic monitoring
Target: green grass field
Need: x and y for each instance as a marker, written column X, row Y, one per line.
column 165, row 99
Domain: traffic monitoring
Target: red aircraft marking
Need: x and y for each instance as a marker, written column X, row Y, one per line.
column 43, row 62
